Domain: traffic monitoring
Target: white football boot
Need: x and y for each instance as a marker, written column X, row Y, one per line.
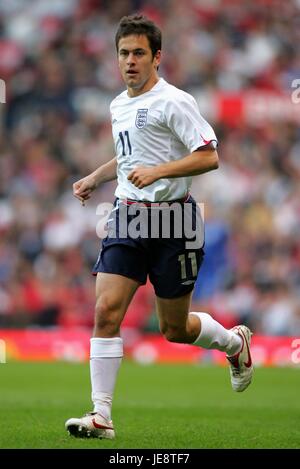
column 241, row 367
column 91, row 425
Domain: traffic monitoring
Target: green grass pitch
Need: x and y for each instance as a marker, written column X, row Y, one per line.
column 155, row 406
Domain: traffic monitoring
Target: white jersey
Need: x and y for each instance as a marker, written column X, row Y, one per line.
column 159, row 126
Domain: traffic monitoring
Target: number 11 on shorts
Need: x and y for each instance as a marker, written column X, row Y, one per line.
column 182, row 259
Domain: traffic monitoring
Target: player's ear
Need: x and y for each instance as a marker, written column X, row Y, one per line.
column 156, row 59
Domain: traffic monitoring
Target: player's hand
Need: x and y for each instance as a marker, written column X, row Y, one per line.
column 142, row 176
column 83, row 188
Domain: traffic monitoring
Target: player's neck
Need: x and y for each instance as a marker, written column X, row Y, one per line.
column 133, row 92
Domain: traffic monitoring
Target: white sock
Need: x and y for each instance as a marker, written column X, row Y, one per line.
column 106, row 356
column 214, row 336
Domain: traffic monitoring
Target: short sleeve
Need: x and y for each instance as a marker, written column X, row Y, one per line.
column 183, row 118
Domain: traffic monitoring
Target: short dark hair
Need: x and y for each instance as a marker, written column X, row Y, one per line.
column 138, row 25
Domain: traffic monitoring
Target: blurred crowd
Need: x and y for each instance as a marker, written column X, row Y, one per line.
column 58, row 62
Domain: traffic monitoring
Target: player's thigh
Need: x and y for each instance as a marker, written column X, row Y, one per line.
column 173, row 312
column 114, row 294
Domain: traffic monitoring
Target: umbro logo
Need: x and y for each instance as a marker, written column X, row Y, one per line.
column 188, row 282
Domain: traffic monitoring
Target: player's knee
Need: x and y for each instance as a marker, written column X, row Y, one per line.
column 107, row 315
column 174, row 334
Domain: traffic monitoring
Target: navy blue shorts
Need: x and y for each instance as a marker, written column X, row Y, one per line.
column 162, row 240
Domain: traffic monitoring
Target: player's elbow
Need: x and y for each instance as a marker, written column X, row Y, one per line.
column 212, row 161
column 215, row 160
column 206, row 161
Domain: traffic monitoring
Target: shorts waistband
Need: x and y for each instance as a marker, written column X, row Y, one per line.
column 147, row 203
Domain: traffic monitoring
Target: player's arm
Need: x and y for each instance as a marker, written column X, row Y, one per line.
column 83, row 188
column 201, row 161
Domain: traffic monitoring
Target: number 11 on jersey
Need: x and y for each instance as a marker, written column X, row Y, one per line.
column 124, row 146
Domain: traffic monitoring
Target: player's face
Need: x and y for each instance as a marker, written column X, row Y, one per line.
column 137, row 66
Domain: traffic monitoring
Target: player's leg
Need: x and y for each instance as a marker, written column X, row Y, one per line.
column 120, row 270
column 121, row 267
column 113, row 295
column 179, row 325
column 174, row 321
column 199, row 328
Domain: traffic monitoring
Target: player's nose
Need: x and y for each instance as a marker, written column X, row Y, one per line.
column 130, row 58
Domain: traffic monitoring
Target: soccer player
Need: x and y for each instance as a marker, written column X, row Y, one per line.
column 161, row 141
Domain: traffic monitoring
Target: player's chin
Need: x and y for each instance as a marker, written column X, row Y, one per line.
column 133, row 82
